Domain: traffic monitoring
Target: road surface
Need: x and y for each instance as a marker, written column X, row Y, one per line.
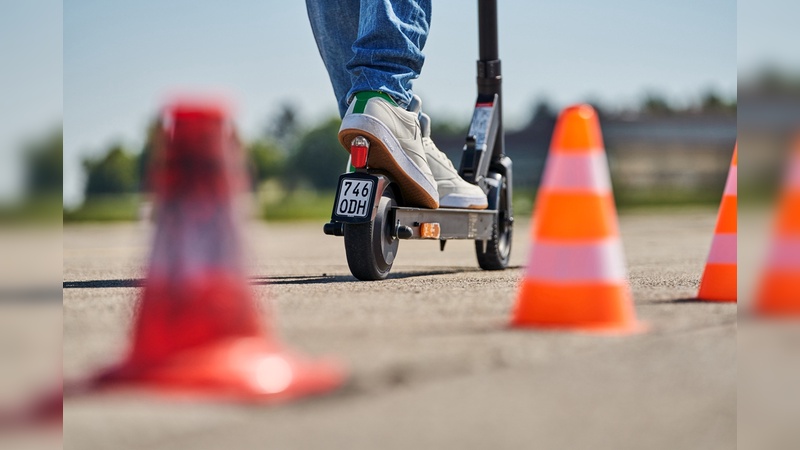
column 432, row 363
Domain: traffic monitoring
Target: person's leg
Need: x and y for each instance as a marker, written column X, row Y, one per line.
column 372, row 50
column 387, row 53
column 387, row 57
column 335, row 24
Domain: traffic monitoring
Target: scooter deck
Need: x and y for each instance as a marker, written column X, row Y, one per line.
column 453, row 223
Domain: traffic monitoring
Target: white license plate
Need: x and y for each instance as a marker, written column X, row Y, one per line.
column 355, row 196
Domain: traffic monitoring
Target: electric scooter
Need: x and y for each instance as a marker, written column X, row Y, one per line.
column 369, row 211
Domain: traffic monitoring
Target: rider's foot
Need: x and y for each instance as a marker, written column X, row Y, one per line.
column 395, row 144
column 454, row 192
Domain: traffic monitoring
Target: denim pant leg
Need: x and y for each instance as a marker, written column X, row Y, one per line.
column 335, row 27
column 371, row 45
column 387, row 56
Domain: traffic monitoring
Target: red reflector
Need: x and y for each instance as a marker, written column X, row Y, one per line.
column 358, row 156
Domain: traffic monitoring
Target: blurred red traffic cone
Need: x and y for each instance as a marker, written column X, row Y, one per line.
column 779, row 291
column 45, row 410
column 719, row 278
column 198, row 327
column 575, row 278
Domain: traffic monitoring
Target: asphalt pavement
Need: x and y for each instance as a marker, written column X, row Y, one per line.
column 432, row 362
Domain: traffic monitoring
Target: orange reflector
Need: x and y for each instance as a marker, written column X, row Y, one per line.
column 429, row 230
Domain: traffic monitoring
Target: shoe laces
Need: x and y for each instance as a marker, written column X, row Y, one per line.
column 440, row 155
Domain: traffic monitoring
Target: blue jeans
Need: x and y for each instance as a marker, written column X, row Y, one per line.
column 371, row 45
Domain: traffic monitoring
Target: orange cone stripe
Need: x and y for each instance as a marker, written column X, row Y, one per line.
column 723, row 249
column 789, row 217
column 577, row 130
column 723, row 287
column 577, row 172
column 561, row 262
column 583, row 305
column 779, row 293
column 726, row 222
column 788, row 223
column 581, row 216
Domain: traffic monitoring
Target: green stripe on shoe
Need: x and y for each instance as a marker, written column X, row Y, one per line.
column 362, row 97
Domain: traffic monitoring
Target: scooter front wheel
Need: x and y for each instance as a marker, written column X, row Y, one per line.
column 495, row 253
column 371, row 247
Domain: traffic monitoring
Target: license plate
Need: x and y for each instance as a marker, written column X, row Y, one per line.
column 355, row 198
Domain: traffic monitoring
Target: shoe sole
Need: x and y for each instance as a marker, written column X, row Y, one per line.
column 451, row 201
column 385, row 153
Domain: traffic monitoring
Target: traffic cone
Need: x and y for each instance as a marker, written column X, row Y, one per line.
column 719, row 278
column 575, row 278
column 45, row 410
column 778, row 293
column 198, row 328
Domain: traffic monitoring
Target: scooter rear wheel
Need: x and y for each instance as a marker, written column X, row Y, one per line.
column 371, row 247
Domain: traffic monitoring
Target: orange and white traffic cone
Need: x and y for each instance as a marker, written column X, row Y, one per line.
column 198, row 328
column 719, row 278
column 576, row 277
column 779, row 290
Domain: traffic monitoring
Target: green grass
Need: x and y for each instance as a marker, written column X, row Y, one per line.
column 299, row 205
column 637, row 199
column 308, row 205
column 46, row 209
column 117, row 208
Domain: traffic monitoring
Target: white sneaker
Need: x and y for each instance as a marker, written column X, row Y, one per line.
column 395, row 144
column 454, row 192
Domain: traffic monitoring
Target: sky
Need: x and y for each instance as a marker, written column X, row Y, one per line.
column 123, row 59
column 30, row 81
column 768, row 34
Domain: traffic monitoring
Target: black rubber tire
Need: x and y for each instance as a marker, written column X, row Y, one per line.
column 495, row 253
column 370, row 247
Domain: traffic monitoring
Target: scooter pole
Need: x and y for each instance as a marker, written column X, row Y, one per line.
column 489, row 77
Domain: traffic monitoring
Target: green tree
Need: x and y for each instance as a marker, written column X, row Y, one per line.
column 284, row 128
column 44, row 166
column 318, row 158
column 146, row 155
column 656, row 105
column 711, row 102
column 448, row 129
column 266, row 158
column 114, row 173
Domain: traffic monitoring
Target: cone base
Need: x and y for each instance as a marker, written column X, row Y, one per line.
column 718, row 283
column 590, row 308
column 50, row 409
column 777, row 312
column 621, row 329
column 45, row 411
column 244, row 369
column 716, row 300
column 779, row 295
